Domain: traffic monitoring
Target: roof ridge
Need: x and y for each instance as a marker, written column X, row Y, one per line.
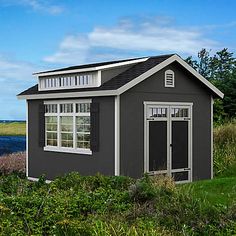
column 103, row 63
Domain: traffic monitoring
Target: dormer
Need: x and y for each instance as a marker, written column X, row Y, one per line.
column 70, row 81
column 87, row 76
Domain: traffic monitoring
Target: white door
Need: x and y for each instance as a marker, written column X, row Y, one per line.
column 168, row 140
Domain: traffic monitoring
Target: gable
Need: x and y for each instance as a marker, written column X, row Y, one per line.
column 185, row 83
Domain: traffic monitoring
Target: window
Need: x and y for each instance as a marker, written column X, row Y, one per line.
column 69, row 81
column 169, row 78
column 67, row 126
column 157, row 112
column 180, row 112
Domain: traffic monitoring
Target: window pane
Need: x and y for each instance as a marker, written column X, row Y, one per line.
column 179, row 112
column 51, row 123
column 83, row 124
column 83, row 107
column 83, row 144
column 51, row 108
column 67, row 123
column 157, row 112
column 51, row 130
column 51, row 138
column 67, row 140
column 66, row 108
column 83, row 132
column 67, row 131
column 51, row 119
column 51, row 127
column 67, row 136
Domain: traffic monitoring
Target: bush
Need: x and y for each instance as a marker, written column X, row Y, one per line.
column 101, row 205
column 13, row 163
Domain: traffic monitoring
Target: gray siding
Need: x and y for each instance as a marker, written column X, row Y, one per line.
column 187, row 89
column 53, row 164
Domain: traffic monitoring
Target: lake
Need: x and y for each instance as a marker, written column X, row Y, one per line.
column 10, row 144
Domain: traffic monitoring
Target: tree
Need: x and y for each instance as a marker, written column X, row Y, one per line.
column 219, row 69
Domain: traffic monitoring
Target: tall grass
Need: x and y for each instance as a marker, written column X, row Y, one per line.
column 225, row 149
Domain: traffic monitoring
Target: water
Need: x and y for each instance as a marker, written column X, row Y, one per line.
column 10, row 144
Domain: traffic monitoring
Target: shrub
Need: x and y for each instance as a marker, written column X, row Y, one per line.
column 12, row 163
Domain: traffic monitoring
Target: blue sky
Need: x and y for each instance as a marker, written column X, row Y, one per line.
column 37, row 35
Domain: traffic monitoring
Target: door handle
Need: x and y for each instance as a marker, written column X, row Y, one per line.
column 187, row 168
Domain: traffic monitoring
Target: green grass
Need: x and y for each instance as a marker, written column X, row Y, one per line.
column 217, row 191
column 13, row 129
column 107, row 206
column 225, row 150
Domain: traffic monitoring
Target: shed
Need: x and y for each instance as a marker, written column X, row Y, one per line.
column 129, row 117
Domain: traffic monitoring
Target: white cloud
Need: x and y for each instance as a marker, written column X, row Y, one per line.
column 37, row 5
column 148, row 36
column 15, row 76
column 15, row 70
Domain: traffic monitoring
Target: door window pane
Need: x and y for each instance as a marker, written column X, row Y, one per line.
column 180, row 176
column 157, row 112
column 179, row 112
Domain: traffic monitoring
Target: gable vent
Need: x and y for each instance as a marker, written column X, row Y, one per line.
column 169, row 79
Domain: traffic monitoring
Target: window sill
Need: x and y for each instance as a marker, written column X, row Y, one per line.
column 68, row 150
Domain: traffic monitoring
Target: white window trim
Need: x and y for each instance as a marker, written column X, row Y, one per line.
column 173, row 79
column 58, row 148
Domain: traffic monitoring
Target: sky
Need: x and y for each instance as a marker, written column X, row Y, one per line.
column 38, row 35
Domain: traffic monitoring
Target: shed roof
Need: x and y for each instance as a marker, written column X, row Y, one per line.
column 120, row 83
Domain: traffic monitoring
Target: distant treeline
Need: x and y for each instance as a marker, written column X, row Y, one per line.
column 12, row 121
column 220, row 69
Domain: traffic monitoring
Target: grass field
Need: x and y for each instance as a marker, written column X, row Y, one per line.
column 217, row 191
column 14, row 128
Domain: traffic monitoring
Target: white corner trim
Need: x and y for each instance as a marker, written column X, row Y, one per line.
column 117, row 135
column 27, row 140
column 112, row 65
column 37, row 179
column 212, row 157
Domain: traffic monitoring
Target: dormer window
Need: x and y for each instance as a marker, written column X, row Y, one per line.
column 169, row 78
column 69, row 81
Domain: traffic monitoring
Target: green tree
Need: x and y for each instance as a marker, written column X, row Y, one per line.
column 219, row 69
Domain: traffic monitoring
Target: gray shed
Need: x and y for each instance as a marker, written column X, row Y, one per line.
column 143, row 115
